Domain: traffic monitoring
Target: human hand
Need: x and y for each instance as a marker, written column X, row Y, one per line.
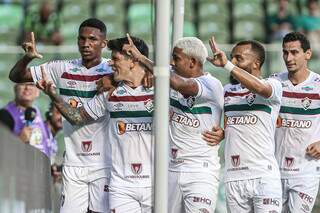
column 45, row 85
column 25, row 134
column 147, row 80
column 219, row 58
column 214, row 136
column 313, row 150
column 106, row 83
column 30, row 48
column 131, row 49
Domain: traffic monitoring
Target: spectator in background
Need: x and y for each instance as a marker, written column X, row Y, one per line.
column 282, row 22
column 310, row 24
column 53, row 125
column 45, row 24
column 13, row 116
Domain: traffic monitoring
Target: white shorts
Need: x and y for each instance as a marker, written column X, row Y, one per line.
column 192, row 192
column 131, row 199
column 85, row 188
column 261, row 195
column 299, row 194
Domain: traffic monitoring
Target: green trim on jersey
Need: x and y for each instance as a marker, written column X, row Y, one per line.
column 300, row 111
column 194, row 110
column 130, row 114
column 246, row 107
column 78, row 93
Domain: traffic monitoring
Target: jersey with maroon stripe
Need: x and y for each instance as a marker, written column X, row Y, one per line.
column 130, row 133
column 298, row 126
column 85, row 145
column 189, row 117
column 250, row 122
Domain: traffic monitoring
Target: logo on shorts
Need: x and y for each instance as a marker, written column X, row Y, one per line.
column 289, row 161
column 270, row 201
column 174, row 153
column 203, row 210
column 235, row 160
column 86, row 146
column 306, row 102
column 250, row 98
column 106, row 188
column 305, row 197
column 136, row 168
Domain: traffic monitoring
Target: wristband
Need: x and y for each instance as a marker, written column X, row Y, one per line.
column 229, row 66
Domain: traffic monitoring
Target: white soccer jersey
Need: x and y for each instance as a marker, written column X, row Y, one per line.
column 130, row 133
column 85, row 145
column 298, row 126
column 250, row 122
column 189, row 118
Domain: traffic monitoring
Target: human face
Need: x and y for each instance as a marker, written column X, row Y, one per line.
column 90, row 43
column 294, row 57
column 121, row 65
column 180, row 62
column 26, row 93
column 243, row 57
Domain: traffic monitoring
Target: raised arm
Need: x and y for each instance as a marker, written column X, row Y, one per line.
column 251, row 82
column 20, row 73
column 185, row 86
column 75, row 116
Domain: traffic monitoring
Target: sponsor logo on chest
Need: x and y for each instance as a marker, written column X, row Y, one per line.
column 123, row 127
column 242, row 120
column 184, row 120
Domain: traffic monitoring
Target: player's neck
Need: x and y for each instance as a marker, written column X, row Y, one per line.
column 298, row 76
column 91, row 63
column 135, row 78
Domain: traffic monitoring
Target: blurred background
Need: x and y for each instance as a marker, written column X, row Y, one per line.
column 55, row 24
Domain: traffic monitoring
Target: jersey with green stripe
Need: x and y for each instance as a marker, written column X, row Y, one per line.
column 85, row 145
column 250, row 122
column 189, row 118
column 298, row 126
column 130, row 133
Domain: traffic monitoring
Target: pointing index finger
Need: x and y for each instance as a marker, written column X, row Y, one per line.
column 32, row 37
column 43, row 73
column 129, row 39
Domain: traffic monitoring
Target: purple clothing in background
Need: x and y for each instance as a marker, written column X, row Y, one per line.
column 39, row 137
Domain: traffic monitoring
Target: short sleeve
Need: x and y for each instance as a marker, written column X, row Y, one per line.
column 276, row 90
column 97, row 106
column 53, row 69
column 210, row 89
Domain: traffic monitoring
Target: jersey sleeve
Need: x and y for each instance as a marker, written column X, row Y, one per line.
column 53, row 69
column 210, row 89
column 276, row 90
column 97, row 106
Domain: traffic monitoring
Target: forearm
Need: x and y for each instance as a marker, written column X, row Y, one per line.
column 75, row 116
column 147, row 63
column 20, row 73
column 183, row 85
column 251, row 82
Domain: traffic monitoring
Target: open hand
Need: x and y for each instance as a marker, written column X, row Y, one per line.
column 214, row 136
column 106, row 83
column 313, row 150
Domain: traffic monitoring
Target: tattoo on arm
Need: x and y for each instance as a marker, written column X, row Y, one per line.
column 76, row 116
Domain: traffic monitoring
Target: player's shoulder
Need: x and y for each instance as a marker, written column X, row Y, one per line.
column 315, row 77
column 232, row 87
column 280, row 76
column 65, row 62
column 210, row 80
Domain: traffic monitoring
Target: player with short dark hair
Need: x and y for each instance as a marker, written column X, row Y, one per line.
column 87, row 160
column 252, row 178
column 298, row 134
column 130, row 108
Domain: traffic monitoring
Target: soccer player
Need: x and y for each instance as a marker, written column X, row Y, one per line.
column 130, row 108
column 196, row 102
column 87, row 161
column 298, row 133
column 252, row 177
